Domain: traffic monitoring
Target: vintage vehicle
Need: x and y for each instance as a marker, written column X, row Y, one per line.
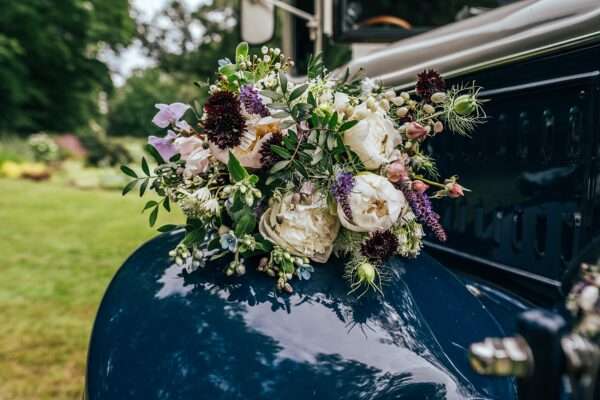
column 515, row 246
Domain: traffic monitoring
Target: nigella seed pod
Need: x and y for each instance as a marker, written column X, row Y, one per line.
column 366, row 273
column 464, row 105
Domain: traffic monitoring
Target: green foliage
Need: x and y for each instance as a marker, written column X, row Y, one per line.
column 104, row 152
column 50, row 74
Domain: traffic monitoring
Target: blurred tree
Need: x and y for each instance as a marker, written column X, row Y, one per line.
column 50, row 75
column 132, row 106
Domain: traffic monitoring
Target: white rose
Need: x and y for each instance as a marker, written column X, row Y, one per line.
column 373, row 138
column 187, row 145
column 197, row 162
column 375, row 204
column 304, row 229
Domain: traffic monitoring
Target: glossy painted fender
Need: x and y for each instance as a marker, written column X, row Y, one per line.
column 163, row 334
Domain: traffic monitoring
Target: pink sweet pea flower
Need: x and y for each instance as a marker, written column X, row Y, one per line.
column 396, row 171
column 169, row 114
column 419, row 186
column 164, row 146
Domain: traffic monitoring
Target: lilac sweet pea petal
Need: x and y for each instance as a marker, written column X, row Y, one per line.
column 164, row 146
column 169, row 114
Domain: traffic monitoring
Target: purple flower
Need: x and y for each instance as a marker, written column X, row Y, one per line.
column 421, row 206
column 251, row 100
column 164, row 146
column 169, row 114
column 344, row 182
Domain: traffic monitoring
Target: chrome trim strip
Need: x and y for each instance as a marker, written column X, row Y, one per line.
column 538, row 84
column 493, row 264
column 578, row 40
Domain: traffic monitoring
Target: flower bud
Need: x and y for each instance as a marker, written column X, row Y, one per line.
column 454, row 190
column 419, row 186
column 438, row 127
column 405, row 95
column 398, row 101
column 438, row 97
column 223, row 230
column 365, row 273
column 415, row 131
column 240, row 269
column 464, row 105
column 390, row 94
column 396, row 172
column 401, row 112
column 428, row 108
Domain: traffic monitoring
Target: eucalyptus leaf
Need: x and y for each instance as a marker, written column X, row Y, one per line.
column 297, row 92
column 145, row 166
column 128, row 171
column 279, row 166
column 283, row 82
column 153, row 216
column 129, row 187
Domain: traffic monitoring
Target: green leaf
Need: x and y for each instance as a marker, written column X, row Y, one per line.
column 281, row 151
column 144, row 186
column 167, row 204
column 347, row 125
column 150, row 204
column 194, row 237
column 228, row 70
column 241, row 51
column 145, row 166
column 279, row 166
column 245, row 224
column 168, row 228
column 128, row 171
column 270, row 94
column 153, row 216
column 129, row 187
column 154, row 154
column 311, row 99
column 333, row 120
column 236, row 170
column 298, row 92
column 281, row 114
column 283, row 82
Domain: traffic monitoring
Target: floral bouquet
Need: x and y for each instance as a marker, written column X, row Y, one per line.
column 289, row 173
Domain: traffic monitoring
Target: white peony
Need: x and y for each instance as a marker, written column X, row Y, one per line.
column 373, row 138
column 303, row 228
column 374, row 202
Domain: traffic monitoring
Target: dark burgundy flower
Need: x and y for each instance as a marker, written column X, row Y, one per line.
column 224, row 123
column 429, row 82
column 267, row 157
column 380, row 246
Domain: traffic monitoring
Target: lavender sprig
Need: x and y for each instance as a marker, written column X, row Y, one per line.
column 344, row 182
column 421, row 206
column 252, row 102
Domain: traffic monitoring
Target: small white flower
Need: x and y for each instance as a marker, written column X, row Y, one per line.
column 277, row 51
column 266, row 58
column 373, row 138
column 367, row 86
column 341, row 101
column 278, row 65
column 202, row 194
column 375, row 204
column 398, row 101
column 264, row 49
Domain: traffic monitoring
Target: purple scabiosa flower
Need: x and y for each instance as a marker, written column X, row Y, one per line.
column 341, row 188
column 252, row 102
column 421, row 206
column 224, row 123
column 379, row 246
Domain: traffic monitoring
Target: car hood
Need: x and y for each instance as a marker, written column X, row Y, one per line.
column 161, row 333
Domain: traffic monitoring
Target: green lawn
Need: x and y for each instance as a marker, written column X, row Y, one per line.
column 59, row 248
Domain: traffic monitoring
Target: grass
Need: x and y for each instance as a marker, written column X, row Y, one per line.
column 59, row 248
